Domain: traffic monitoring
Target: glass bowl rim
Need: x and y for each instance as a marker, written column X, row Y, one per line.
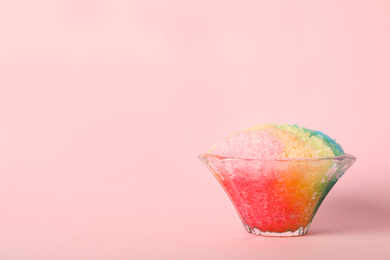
column 221, row 157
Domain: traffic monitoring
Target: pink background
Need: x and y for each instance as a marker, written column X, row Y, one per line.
column 105, row 105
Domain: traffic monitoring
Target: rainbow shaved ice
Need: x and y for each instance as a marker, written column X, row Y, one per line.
column 277, row 141
column 276, row 175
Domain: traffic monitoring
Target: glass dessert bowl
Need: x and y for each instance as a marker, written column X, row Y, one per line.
column 277, row 196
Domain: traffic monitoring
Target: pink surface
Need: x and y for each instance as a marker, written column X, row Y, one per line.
column 104, row 106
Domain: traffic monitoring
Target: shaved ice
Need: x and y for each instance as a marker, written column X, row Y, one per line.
column 277, row 175
column 277, row 141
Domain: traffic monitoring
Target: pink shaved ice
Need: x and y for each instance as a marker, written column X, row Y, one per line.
column 249, row 144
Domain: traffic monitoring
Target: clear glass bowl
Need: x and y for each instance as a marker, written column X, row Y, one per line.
column 277, row 196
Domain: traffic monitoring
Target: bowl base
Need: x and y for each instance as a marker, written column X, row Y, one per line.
column 255, row 231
